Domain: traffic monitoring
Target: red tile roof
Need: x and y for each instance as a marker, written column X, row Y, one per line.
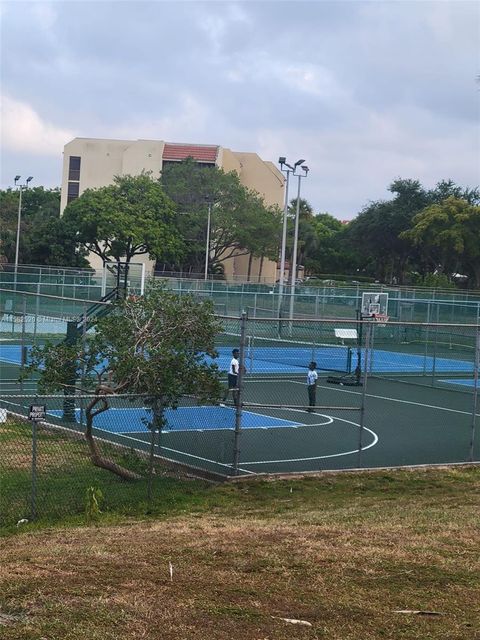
column 201, row 153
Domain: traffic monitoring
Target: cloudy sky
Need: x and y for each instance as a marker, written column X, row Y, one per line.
column 365, row 91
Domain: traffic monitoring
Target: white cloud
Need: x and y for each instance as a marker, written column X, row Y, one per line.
column 24, row 130
column 44, row 15
column 186, row 121
column 365, row 92
column 216, row 25
column 310, row 79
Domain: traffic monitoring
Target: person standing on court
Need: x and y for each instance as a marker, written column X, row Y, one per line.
column 233, row 377
column 312, row 377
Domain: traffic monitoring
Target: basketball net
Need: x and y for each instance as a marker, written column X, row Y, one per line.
column 381, row 319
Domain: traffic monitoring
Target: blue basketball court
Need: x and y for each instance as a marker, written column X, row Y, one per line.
column 135, row 420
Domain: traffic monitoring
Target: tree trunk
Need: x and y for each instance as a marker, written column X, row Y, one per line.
column 97, row 459
column 262, row 258
column 250, row 260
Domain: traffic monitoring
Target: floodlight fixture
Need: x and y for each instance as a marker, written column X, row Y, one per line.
column 299, row 162
column 17, row 178
column 305, row 168
column 282, row 161
column 29, row 179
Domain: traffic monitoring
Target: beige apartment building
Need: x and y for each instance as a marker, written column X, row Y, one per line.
column 92, row 163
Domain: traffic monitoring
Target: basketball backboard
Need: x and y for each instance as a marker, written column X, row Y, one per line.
column 374, row 304
column 131, row 277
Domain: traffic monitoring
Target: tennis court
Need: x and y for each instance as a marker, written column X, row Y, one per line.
column 403, row 424
column 295, row 359
column 417, row 406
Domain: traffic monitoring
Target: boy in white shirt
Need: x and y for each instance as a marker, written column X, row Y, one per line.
column 233, row 377
column 312, row 377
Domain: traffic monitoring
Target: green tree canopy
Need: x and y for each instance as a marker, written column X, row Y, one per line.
column 328, row 251
column 132, row 216
column 241, row 223
column 44, row 238
column 449, row 234
column 155, row 345
column 380, row 229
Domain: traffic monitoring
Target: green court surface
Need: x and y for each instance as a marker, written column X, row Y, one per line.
column 404, row 424
column 418, row 401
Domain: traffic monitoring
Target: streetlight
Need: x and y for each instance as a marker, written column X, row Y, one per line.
column 207, row 248
column 21, row 187
column 293, row 272
column 289, row 169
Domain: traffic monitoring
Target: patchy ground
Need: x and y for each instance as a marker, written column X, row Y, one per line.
column 343, row 555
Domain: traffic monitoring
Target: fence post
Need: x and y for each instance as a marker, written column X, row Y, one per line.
column 33, row 495
column 23, row 348
column 37, row 312
column 82, row 381
column 427, row 332
column 366, row 365
column 153, row 432
column 156, row 426
column 434, row 359
column 475, row 393
column 69, row 389
column 238, row 412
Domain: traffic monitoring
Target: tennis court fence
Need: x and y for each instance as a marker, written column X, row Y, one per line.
column 387, row 396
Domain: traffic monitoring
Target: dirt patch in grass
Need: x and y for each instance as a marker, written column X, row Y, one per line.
column 345, row 566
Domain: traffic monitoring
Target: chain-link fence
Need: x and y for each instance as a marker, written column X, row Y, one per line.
column 384, row 395
column 47, row 467
column 406, row 304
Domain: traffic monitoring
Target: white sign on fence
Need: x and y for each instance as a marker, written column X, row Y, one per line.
column 37, row 412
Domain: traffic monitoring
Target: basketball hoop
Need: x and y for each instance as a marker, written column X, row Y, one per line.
column 381, row 319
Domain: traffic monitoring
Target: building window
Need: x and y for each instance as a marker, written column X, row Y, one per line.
column 73, row 190
column 74, row 168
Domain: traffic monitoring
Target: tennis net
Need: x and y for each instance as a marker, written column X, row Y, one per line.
column 329, row 357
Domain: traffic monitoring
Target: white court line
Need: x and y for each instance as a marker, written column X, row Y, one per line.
column 144, row 442
column 371, row 395
column 330, row 420
column 183, row 453
column 331, row 455
column 309, row 424
column 268, row 426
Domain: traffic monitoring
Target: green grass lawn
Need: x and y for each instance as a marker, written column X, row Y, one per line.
column 343, row 552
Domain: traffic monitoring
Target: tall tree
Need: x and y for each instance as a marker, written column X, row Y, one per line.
column 131, row 217
column 328, row 251
column 378, row 227
column 44, row 239
column 241, row 223
column 449, row 234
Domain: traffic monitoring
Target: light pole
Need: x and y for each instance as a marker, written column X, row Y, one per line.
column 21, row 187
column 289, row 169
column 293, row 272
column 207, row 248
